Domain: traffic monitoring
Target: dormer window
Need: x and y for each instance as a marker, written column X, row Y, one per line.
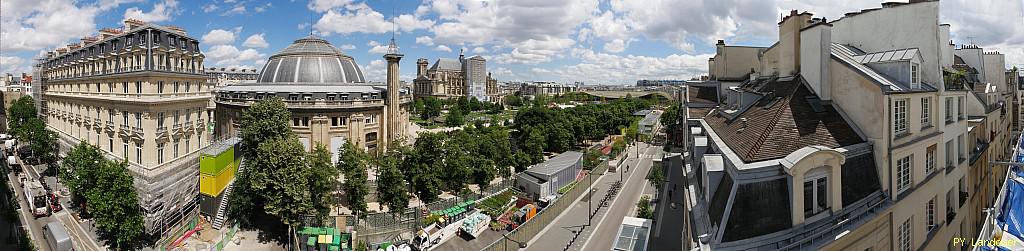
column 815, row 192
column 915, row 74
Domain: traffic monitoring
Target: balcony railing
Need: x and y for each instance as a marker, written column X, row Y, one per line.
column 955, row 86
column 110, row 126
column 138, row 132
column 161, row 131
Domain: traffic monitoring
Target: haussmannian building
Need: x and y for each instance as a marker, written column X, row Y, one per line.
column 329, row 99
column 858, row 133
column 138, row 93
column 452, row 78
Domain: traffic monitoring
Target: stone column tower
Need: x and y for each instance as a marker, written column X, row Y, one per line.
column 393, row 130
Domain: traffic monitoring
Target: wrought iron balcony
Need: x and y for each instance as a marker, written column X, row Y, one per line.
column 110, row 126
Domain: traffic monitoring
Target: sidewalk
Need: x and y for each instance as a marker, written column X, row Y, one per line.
column 560, row 232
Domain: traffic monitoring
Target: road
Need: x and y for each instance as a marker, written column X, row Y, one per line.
column 669, row 221
column 608, row 226
column 559, row 234
column 80, row 237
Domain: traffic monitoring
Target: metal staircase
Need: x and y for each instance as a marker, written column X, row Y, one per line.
column 222, row 209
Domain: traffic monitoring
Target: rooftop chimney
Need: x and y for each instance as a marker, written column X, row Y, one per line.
column 132, row 23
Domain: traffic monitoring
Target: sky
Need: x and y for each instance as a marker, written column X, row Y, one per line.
column 591, row 41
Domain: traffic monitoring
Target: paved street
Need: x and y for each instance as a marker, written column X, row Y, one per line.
column 82, row 239
column 608, row 226
column 560, row 232
column 669, row 220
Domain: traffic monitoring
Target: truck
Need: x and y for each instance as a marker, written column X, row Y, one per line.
column 38, row 198
column 475, row 224
column 427, row 237
column 57, row 236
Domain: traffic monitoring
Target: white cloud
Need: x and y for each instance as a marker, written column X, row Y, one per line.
column 14, row 65
column 536, row 31
column 262, row 8
column 425, row 40
column 479, row 50
column 255, row 41
column 998, row 23
column 443, row 48
column 229, row 55
column 601, row 68
column 209, row 8
column 30, row 25
column 361, row 18
column 681, row 23
column 303, row 26
column 324, row 5
column 162, row 11
column 219, row 37
column 376, row 47
column 237, row 9
column 409, row 23
column 376, row 70
column 347, row 47
column 615, row 46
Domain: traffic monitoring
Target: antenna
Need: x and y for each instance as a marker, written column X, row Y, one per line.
column 971, row 38
column 392, row 47
column 310, row 23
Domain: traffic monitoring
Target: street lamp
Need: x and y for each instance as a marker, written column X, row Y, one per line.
column 522, row 245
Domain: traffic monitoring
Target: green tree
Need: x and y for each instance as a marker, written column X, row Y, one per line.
column 534, row 146
column 80, row 169
column 462, row 103
column 514, row 101
column 322, row 177
column 391, row 186
column 656, row 176
column 280, row 166
column 352, row 162
column 20, row 111
column 423, row 165
column 114, row 205
column 417, row 106
column 455, row 118
column 431, row 108
column 591, row 159
column 265, row 120
column 42, row 142
column 643, row 208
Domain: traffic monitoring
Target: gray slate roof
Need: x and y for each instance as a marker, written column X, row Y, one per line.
column 556, row 164
column 852, row 57
column 305, row 88
column 447, row 64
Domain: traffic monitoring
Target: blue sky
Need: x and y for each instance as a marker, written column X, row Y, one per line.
column 594, row 41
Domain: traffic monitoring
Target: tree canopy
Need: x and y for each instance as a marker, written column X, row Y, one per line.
column 114, row 205
column 352, row 162
column 280, row 179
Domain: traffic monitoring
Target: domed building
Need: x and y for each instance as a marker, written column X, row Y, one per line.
column 327, row 94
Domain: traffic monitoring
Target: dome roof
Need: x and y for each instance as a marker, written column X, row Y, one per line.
column 311, row 60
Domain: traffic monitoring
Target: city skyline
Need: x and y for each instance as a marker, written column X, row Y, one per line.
column 595, row 42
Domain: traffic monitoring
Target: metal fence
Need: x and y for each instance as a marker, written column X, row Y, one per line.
column 380, row 227
column 532, row 227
